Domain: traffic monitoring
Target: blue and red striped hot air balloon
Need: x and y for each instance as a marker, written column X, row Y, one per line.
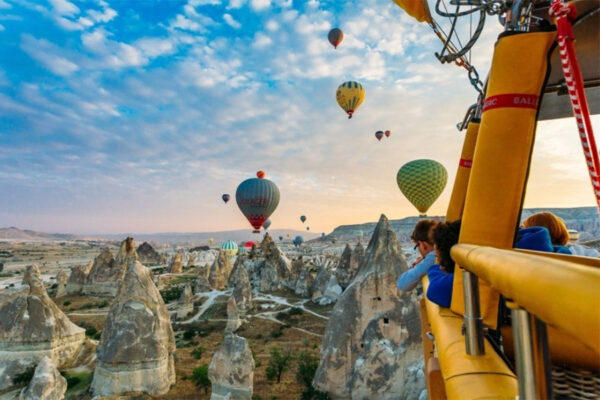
column 257, row 198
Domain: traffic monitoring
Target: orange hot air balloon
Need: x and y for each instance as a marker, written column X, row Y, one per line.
column 335, row 37
column 387, row 133
column 260, row 174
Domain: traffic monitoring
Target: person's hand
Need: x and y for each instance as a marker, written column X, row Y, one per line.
column 418, row 260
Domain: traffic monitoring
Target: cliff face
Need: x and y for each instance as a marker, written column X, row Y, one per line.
column 583, row 219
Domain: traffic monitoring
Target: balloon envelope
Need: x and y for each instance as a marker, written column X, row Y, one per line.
column 280, row 238
column 257, row 199
column 387, row 133
column 230, row 248
column 260, row 174
column 422, row 182
column 226, row 197
column 210, row 240
column 266, row 224
column 418, row 9
column 379, row 135
column 298, row 240
column 349, row 96
column 308, row 228
column 335, row 37
column 303, row 218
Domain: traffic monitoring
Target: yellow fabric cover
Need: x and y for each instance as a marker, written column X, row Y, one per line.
column 459, row 192
column 467, row 377
column 564, row 295
column 502, row 154
column 418, row 9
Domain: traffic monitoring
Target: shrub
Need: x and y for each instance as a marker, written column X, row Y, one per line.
column 275, row 333
column 307, row 367
column 200, row 377
column 72, row 381
column 189, row 334
column 197, row 352
column 311, row 393
column 91, row 331
column 296, row 311
column 67, row 303
column 278, row 363
column 171, row 294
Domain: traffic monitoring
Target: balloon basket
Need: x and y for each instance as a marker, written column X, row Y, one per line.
column 256, row 231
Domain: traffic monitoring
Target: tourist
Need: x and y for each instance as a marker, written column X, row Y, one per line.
column 559, row 234
column 424, row 245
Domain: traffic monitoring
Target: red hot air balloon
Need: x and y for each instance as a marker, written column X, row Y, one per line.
column 387, row 133
column 335, row 37
column 379, row 135
column 260, row 174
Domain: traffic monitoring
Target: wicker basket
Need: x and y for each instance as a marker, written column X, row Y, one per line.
column 575, row 384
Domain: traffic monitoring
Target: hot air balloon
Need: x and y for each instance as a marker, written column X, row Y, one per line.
column 230, row 248
column 298, row 240
column 260, row 174
column 226, row 198
column 349, row 96
column 422, row 182
column 335, row 37
column 387, row 133
column 303, row 218
column 288, row 235
column 211, row 240
column 308, row 228
column 250, row 244
column 257, row 198
column 266, row 224
column 280, row 238
column 322, row 234
column 379, row 135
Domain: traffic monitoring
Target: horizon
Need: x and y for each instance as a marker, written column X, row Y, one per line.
column 119, row 117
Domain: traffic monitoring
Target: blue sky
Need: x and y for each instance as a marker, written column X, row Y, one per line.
column 137, row 115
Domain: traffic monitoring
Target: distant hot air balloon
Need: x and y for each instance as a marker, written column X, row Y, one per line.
column 379, row 135
column 335, row 37
column 249, row 244
column 349, row 96
column 226, row 197
column 230, row 248
column 280, row 238
column 257, row 198
column 298, row 240
column 210, row 240
column 387, row 133
column 308, row 228
column 288, row 235
column 303, row 218
column 322, row 234
column 260, row 174
column 266, row 224
column 422, row 182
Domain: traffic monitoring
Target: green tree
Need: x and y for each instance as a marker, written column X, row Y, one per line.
column 278, row 363
column 307, row 367
column 197, row 352
column 200, row 377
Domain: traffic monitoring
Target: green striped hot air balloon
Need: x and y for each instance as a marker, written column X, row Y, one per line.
column 422, row 182
column 230, row 248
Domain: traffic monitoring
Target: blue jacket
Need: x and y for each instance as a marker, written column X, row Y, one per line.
column 409, row 279
column 534, row 238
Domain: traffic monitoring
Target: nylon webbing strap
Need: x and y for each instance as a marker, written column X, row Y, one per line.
column 564, row 15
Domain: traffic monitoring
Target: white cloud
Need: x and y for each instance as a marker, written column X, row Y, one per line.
column 261, row 41
column 154, row 47
column 47, row 54
column 4, row 5
column 259, row 5
column 2, row 28
column 204, row 2
column 236, row 3
column 64, row 7
column 272, row 25
column 184, row 23
column 231, row 21
column 106, row 15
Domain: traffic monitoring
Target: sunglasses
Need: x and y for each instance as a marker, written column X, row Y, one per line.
column 416, row 245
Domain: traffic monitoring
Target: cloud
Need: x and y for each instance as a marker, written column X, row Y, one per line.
column 4, row 5
column 47, row 54
column 231, row 21
column 64, row 7
column 261, row 41
column 259, row 5
column 2, row 28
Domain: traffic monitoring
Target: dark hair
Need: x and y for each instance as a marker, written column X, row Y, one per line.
column 445, row 235
column 421, row 231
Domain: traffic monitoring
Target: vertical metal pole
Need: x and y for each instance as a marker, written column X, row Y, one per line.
column 472, row 318
column 524, row 354
column 541, row 351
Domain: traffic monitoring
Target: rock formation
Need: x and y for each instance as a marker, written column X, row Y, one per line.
column 231, row 370
column 242, row 289
column 47, row 383
column 176, row 266
column 77, row 278
column 205, row 257
column 233, row 316
column 149, row 256
column 107, row 272
column 274, row 270
column 305, row 282
column 348, row 265
column 185, row 302
column 61, row 284
column 32, row 327
column 219, row 271
column 136, row 348
column 372, row 345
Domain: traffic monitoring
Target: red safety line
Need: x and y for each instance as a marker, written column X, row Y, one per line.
column 564, row 15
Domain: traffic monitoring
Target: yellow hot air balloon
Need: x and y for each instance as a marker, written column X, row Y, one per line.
column 211, row 240
column 349, row 96
column 422, row 182
column 418, row 9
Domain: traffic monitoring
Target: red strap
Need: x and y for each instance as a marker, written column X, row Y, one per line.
column 516, row 100
column 465, row 163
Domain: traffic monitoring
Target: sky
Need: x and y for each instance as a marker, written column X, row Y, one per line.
column 136, row 116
